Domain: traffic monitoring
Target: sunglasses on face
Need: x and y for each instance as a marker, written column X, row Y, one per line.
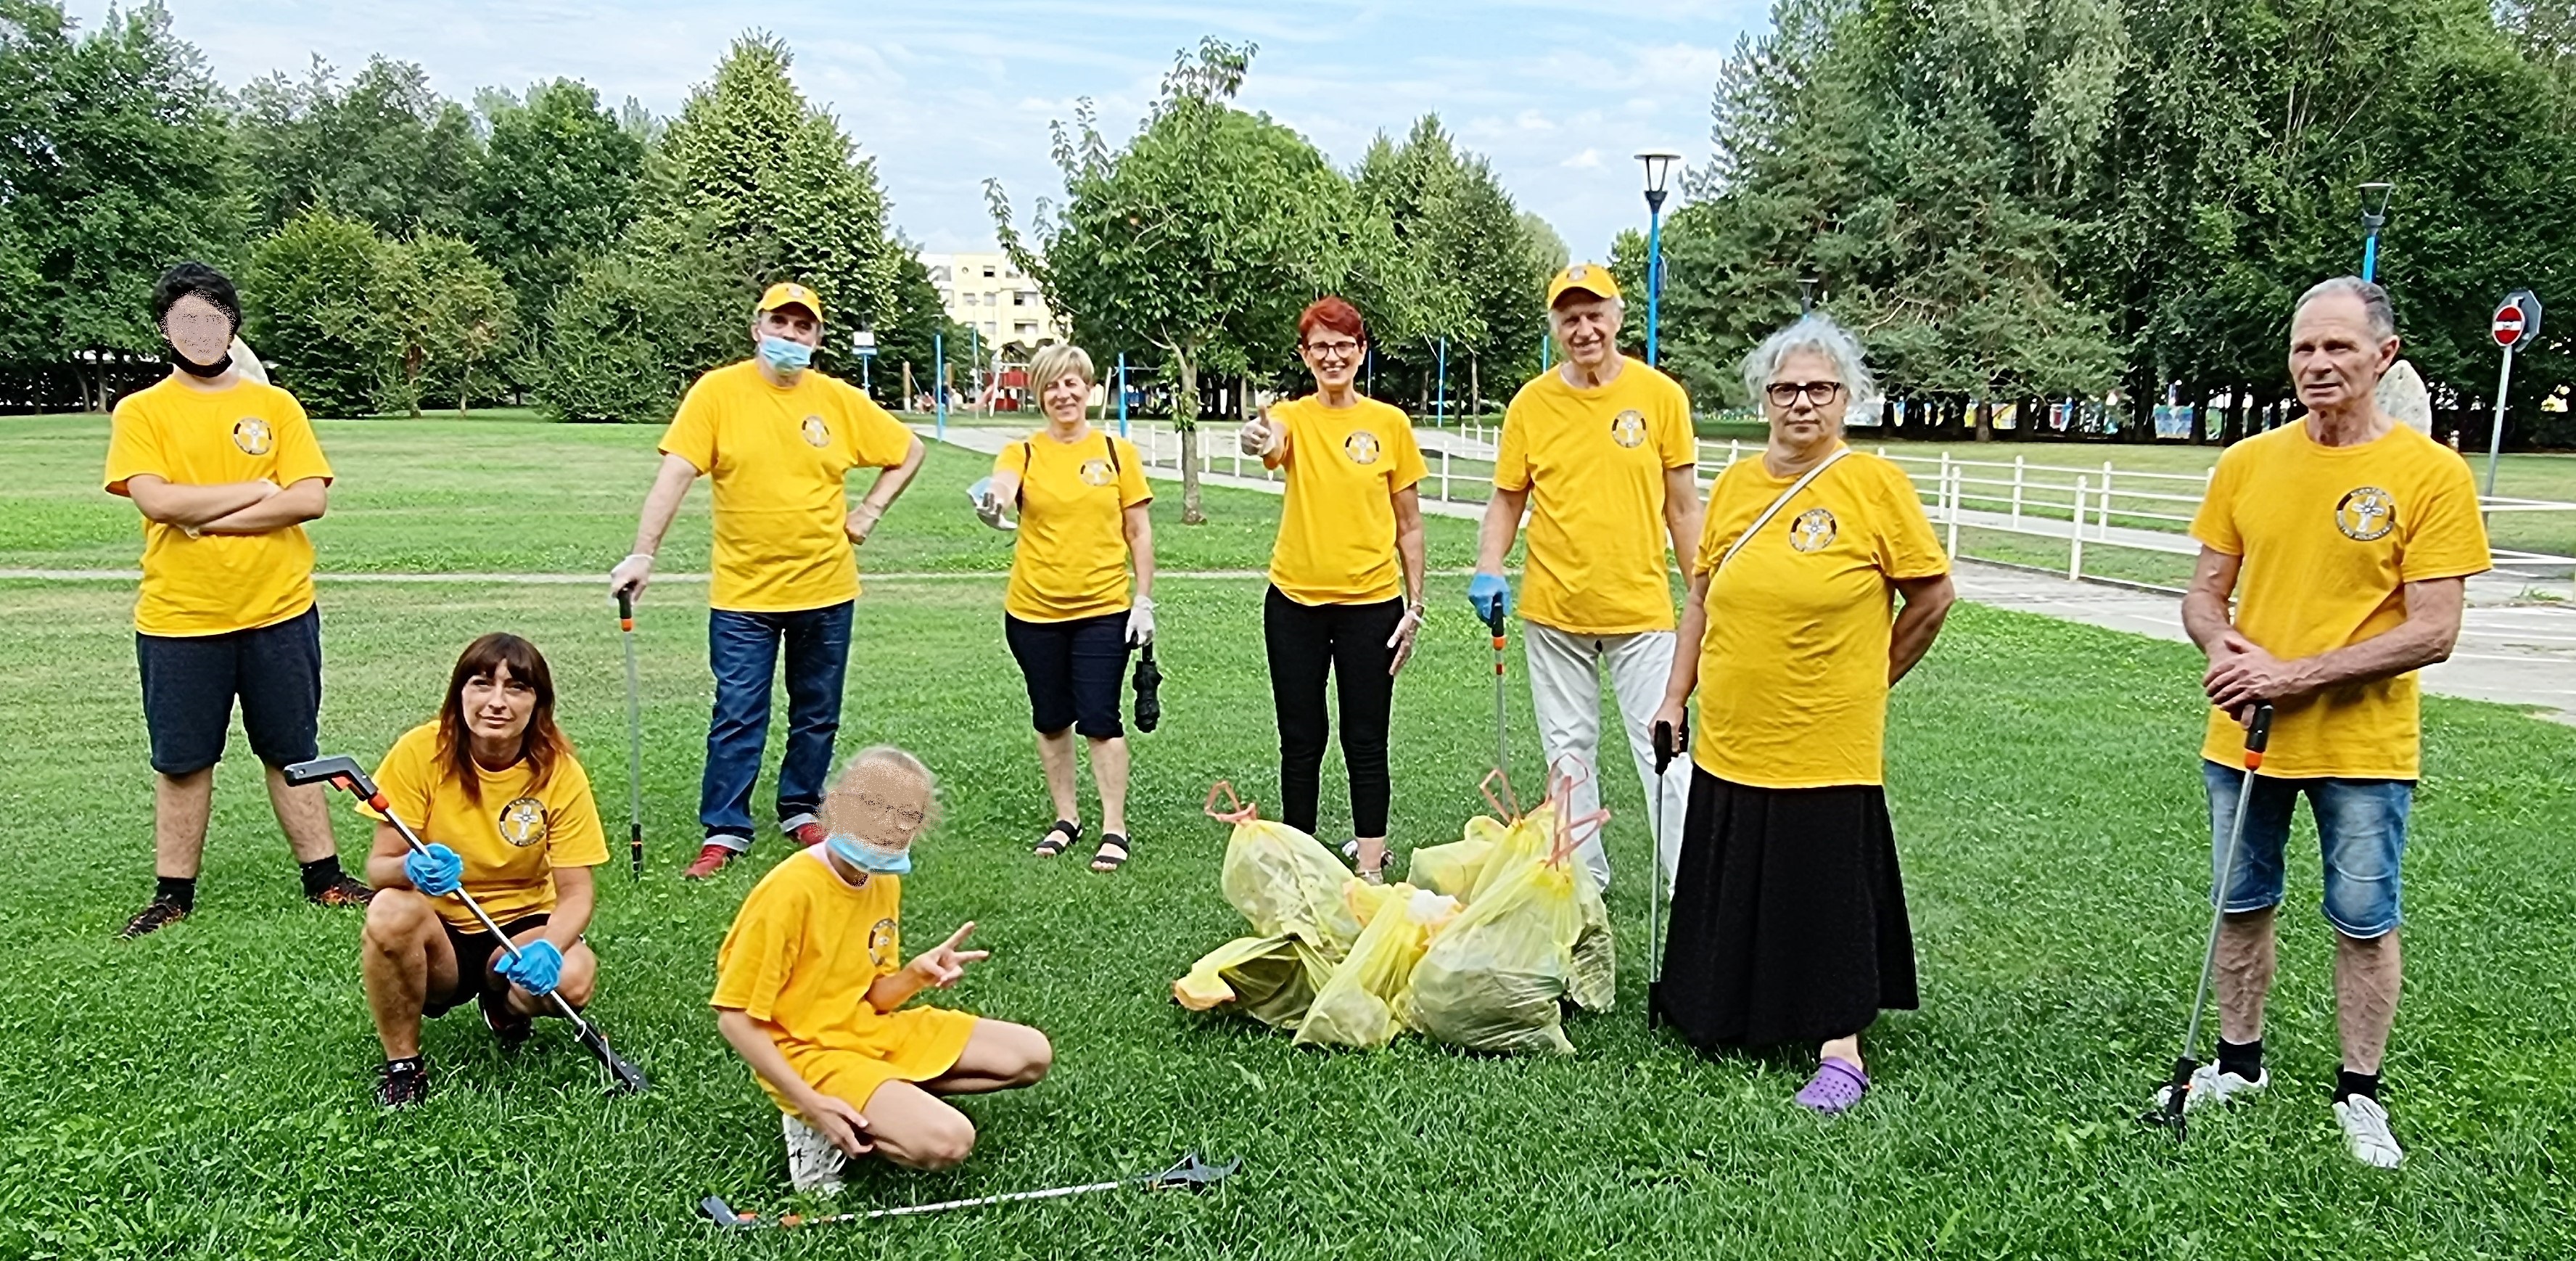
column 1787, row 393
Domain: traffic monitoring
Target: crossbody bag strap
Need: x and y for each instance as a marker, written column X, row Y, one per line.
column 1776, row 505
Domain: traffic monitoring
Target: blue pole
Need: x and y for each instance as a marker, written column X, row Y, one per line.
column 2370, row 255
column 1546, row 351
column 939, row 381
column 1654, row 278
column 974, row 364
column 1440, row 410
column 1122, row 394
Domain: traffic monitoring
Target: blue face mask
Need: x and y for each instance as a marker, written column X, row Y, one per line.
column 785, row 355
column 847, row 848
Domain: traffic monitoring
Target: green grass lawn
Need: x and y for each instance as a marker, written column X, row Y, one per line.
column 205, row 1091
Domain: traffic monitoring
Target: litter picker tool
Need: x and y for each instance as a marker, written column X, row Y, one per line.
column 1502, row 745
column 1667, row 747
column 634, row 735
column 2168, row 1114
column 344, row 774
column 1191, row 1173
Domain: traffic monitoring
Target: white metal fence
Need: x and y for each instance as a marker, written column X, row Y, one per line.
column 2105, row 508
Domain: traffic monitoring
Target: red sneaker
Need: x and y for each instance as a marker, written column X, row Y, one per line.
column 807, row 835
column 711, row 859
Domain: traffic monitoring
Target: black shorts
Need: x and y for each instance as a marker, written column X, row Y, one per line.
column 474, row 951
column 189, row 683
column 1074, row 669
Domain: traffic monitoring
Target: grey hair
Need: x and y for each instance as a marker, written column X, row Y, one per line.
column 1818, row 332
column 901, row 760
column 2375, row 308
column 1054, row 361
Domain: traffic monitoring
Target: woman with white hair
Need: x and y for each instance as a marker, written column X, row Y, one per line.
column 1081, row 499
column 1818, row 584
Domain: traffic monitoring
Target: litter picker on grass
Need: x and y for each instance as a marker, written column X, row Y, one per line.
column 343, row 773
column 1667, row 747
column 634, row 735
column 2169, row 1113
column 1502, row 745
column 1191, row 1173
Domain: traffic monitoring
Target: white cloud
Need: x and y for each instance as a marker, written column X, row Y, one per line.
column 1588, row 160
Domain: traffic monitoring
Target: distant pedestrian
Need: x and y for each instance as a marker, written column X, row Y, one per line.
column 225, row 471
column 778, row 438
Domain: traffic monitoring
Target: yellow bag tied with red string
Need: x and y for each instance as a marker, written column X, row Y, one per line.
column 1492, row 979
column 1452, row 868
column 1271, row 979
column 1284, row 881
column 1356, row 1006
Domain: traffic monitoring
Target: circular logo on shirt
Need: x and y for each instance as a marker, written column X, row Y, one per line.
column 523, row 822
column 1361, row 446
column 1628, row 428
column 1097, row 473
column 250, row 433
column 2366, row 514
column 881, row 945
column 817, row 434
column 1812, row 531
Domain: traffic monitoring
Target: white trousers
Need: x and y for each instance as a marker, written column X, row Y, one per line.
column 1565, row 694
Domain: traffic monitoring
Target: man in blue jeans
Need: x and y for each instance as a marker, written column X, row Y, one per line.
column 778, row 438
column 2348, row 540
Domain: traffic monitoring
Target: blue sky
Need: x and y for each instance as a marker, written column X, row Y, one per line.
column 945, row 93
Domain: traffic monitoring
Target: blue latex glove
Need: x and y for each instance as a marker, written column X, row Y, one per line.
column 436, row 873
column 536, row 970
column 1491, row 595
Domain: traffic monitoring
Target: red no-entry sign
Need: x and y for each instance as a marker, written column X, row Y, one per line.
column 2508, row 324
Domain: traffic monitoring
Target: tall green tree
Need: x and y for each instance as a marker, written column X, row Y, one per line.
column 555, row 188
column 308, row 309
column 116, row 162
column 444, row 317
column 383, row 148
column 1202, row 237
column 1477, row 269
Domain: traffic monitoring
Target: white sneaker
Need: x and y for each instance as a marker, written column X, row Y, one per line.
column 2209, row 1086
column 2365, row 1128
column 813, row 1162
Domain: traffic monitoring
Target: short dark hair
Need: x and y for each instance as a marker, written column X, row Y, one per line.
column 201, row 280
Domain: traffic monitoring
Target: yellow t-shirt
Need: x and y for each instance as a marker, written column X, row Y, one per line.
column 216, row 583
column 512, row 835
column 1337, row 527
column 1793, row 670
column 2329, row 535
column 779, row 458
column 1071, row 558
column 799, row 959
column 1593, row 462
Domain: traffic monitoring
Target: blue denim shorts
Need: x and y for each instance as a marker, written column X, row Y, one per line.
column 2361, row 831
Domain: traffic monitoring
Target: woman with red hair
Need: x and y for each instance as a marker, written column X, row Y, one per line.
column 1345, row 595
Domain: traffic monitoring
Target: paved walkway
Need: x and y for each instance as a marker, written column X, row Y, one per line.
column 2513, row 653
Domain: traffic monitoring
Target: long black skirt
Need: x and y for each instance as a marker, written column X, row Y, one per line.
column 1788, row 918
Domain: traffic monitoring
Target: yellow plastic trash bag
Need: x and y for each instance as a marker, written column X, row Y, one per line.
column 1284, row 881
column 1491, row 980
column 1452, row 868
column 1271, row 979
column 1594, row 985
column 1356, row 1006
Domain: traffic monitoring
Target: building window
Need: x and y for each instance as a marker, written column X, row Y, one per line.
column 988, row 273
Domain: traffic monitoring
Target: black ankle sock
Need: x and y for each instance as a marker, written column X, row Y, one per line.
column 2349, row 1083
column 178, row 891
column 321, row 873
column 2245, row 1059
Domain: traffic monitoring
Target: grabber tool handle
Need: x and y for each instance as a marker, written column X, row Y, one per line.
column 1667, row 746
column 625, row 608
column 2258, row 734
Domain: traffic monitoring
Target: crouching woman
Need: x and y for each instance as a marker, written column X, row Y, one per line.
column 810, row 993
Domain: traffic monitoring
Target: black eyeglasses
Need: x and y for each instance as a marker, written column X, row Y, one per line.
column 905, row 817
column 1787, row 393
column 1332, row 350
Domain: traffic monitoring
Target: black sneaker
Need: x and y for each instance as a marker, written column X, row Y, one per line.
column 341, row 892
column 403, row 1083
column 508, row 1027
column 155, row 917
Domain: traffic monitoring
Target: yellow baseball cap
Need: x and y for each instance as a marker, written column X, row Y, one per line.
column 789, row 293
column 1591, row 278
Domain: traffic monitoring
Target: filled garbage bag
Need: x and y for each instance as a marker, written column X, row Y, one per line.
column 1594, row 983
column 1284, row 881
column 1452, row 868
column 1491, row 980
column 1356, row 1006
column 1272, row 979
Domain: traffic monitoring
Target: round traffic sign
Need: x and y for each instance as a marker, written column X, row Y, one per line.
column 2508, row 324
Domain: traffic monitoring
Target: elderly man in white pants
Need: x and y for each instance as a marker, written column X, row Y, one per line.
column 1600, row 453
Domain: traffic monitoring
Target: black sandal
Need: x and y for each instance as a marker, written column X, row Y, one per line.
column 1071, row 831
column 1104, row 861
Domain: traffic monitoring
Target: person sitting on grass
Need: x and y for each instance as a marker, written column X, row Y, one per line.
column 492, row 787
column 809, row 992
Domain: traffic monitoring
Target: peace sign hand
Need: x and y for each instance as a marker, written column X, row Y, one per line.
column 942, row 964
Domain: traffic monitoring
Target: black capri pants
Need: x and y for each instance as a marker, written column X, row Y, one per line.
column 1347, row 641
column 1073, row 670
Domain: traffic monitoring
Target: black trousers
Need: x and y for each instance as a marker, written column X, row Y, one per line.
column 1348, row 641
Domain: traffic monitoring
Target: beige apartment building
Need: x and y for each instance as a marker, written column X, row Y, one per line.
column 984, row 292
